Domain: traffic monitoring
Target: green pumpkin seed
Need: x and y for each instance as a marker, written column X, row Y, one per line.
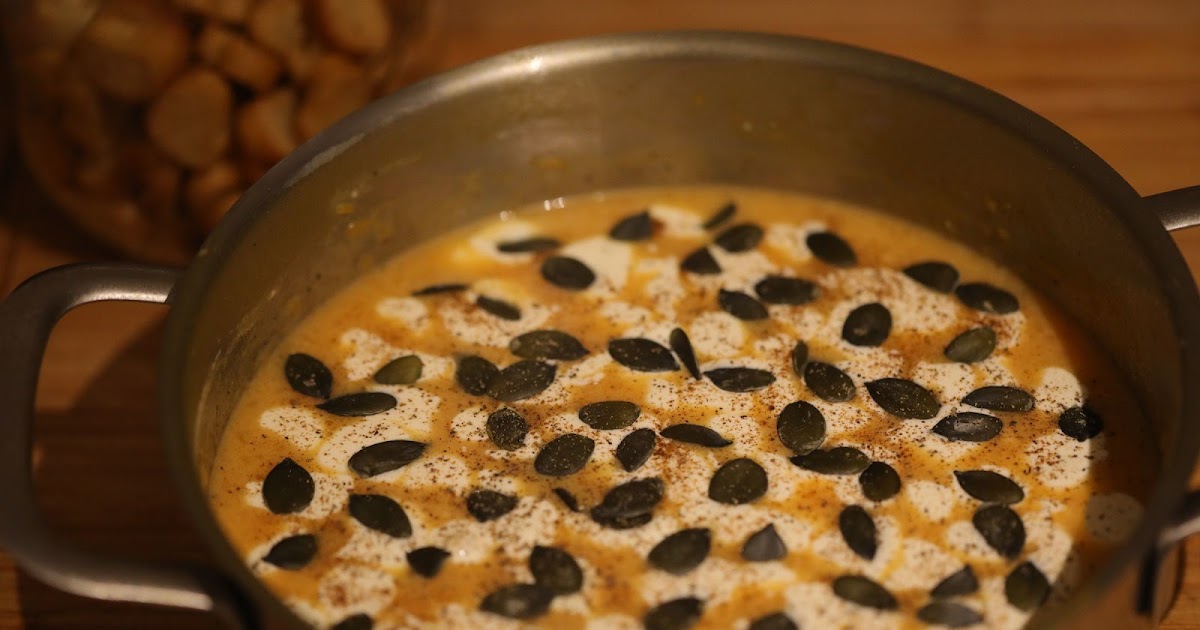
column 402, row 371
column 635, row 227
column 982, row 296
column 701, row 262
column 858, row 530
column 427, row 561
column 800, row 358
column 961, row 582
column 567, row 499
column 377, row 459
column 529, row 245
column 774, row 621
column 1000, row 398
column 381, row 514
column 518, row 601
column 635, row 448
column 764, row 545
column 1001, row 528
column 475, row 374
column 361, row 621
column 677, row 614
column 738, row 481
column 740, row 380
column 831, row 249
column 567, row 273
column 682, row 346
column 359, row 405
column 723, row 214
column 828, row 382
column 989, row 487
column 740, row 238
column 434, row 289
column 307, row 375
column 842, row 460
column 1080, row 423
column 507, row 428
column 786, row 290
column 564, row 455
column 499, row 308
column 521, row 380
column 288, row 488
column 1026, row 587
column 556, row 570
column 630, row 504
column 682, row 551
column 609, row 415
column 968, row 426
column 867, row 325
column 292, row 553
column 694, row 434
column 863, row 591
column 972, row 346
column 903, row 398
column 879, row 482
column 741, row 306
column 801, row 427
column 938, row 276
column 547, row 344
column 949, row 614
column 489, row 505
column 642, row 355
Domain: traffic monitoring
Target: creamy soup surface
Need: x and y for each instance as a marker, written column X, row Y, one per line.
column 837, row 435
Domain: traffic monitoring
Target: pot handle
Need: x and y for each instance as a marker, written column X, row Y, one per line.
column 26, row 319
column 1177, row 209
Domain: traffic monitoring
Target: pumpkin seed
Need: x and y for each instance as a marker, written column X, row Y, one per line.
column 402, row 371
column 867, row 325
column 547, row 344
column 642, row 355
column 564, row 455
column 307, row 375
column 764, row 545
column 972, row 346
column 381, row 514
column 608, row 415
column 740, row 380
column 1026, row 587
column 427, row 561
column 567, row 499
column 1080, row 423
column 292, row 553
column 858, row 530
column 800, row 358
column 701, row 262
column 739, row 238
column 567, row 273
column 288, row 488
column 358, row 405
column 968, row 426
column 738, row 481
column 1000, row 398
column 382, row 457
column 518, row 601
column 774, row 621
column 475, row 374
column 635, row 448
column 489, row 505
column 903, row 398
column 879, row 482
column 635, row 227
column 683, row 349
column 499, row 308
column 682, row 551
column 528, row 245
column 936, row 275
column 828, row 382
column 741, row 306
column 694, row 434
column 842, row 460
column 1001, row 528
column 521, row 380
column 949, row 614
column 434, row 289
column 801, row 427
column 556, row 570
column 630, row 504
column 786, row 290
column 507, row 429
column 863, row 591
column 831, row 249
column 677, row 614
column 961, row 582
column 989, row 486
column 723, row 214
column 361, row 621
column 982, row 296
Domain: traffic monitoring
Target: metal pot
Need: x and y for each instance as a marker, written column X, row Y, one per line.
column 619, row 111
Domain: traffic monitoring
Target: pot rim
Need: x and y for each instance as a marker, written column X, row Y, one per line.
column 1156, row 246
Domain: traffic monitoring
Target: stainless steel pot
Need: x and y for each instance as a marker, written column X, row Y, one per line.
column 618, row 111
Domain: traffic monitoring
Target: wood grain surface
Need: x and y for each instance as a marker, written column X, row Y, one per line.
column 1121, row 75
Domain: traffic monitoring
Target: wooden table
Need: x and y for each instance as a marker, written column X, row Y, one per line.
column 1121, row 75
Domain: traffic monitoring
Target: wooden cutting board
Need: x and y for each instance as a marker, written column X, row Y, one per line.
column 1121, row 75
